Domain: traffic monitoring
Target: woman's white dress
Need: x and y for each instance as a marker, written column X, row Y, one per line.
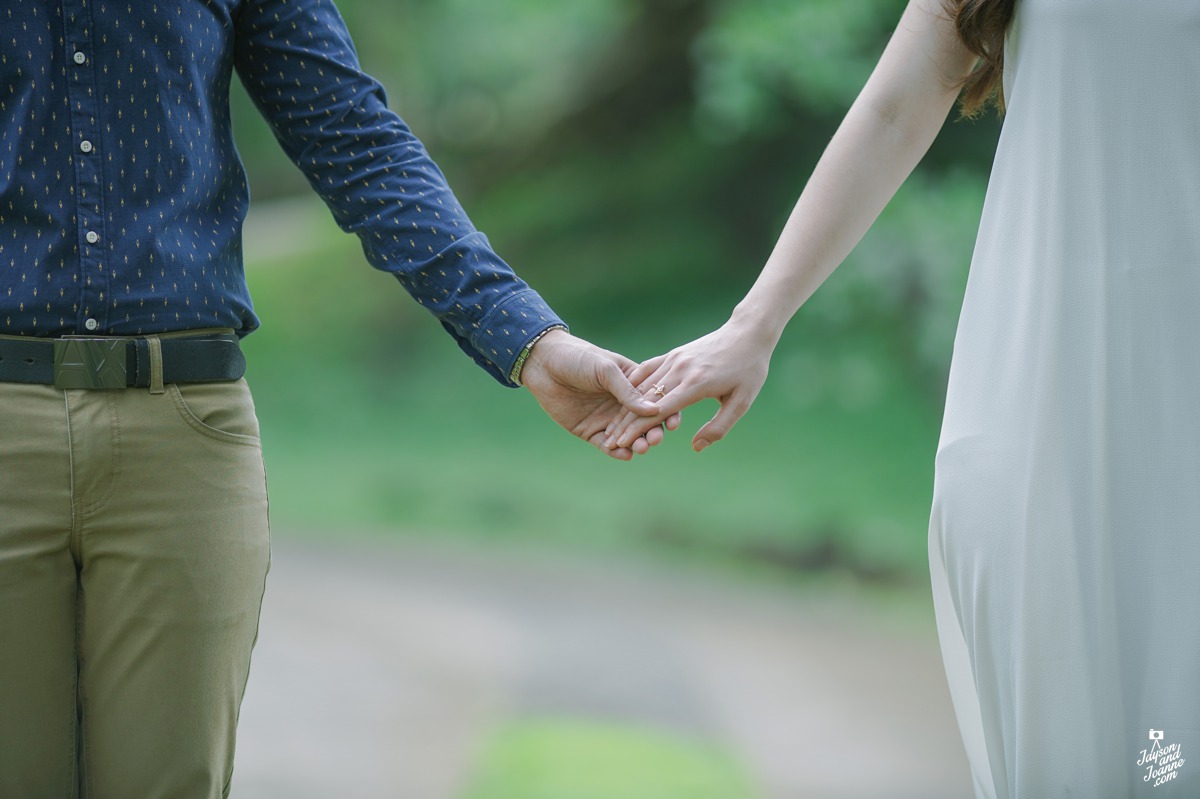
column 1064, row 537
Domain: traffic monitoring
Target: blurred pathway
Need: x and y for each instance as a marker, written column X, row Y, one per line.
column 381, row 666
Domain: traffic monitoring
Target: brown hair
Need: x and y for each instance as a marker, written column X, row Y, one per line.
column 982, row 26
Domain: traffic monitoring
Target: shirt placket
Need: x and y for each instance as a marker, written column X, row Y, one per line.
column 83, row 98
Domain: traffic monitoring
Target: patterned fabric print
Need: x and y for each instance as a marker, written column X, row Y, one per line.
column 122, row 196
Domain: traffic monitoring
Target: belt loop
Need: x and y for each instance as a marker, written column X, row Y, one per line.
column 156, row 369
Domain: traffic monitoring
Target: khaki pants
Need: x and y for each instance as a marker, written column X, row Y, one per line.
column 134, row 548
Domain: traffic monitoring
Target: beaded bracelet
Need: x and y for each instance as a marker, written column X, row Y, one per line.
column 515, row 374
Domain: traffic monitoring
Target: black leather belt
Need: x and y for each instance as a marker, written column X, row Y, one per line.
column 107, row 362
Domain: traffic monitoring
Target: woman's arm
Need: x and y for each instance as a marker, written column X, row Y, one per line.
column 886, row 132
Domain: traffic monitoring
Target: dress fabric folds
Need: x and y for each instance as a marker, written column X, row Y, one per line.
column 1064, row 535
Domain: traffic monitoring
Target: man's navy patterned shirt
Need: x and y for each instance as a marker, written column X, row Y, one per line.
column 122, row 196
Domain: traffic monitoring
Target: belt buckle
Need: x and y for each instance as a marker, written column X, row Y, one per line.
column 90, row 362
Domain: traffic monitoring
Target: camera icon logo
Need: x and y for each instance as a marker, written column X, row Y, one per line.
column 1156, row 735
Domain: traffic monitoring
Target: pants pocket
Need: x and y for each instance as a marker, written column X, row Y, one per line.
column 222, row 411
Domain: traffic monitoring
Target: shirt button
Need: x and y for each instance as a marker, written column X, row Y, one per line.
column 85, row 145
column 91, row 324
column 92, row 237
column 79, row 57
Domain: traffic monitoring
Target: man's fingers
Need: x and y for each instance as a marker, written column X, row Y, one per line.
column 619, row 453
column 654, row 436
column 616, row 383
column 640, row 446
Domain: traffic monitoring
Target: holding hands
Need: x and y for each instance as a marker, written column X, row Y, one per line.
column 583, row 388
column 624, row 408
column 729, row 364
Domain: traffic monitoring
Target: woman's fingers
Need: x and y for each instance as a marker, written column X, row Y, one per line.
column 670, row 405
column 719, row 365
column 724, row 364
column 641, row 445
column 646, row 368
column 732, row 409
column 645, row 387
column 674, row 398
column 630, row 426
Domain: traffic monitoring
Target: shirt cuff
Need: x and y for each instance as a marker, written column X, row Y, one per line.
column 515, row 375
column 510, row 328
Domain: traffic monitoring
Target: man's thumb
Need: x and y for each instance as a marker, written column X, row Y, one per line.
column 616, row 383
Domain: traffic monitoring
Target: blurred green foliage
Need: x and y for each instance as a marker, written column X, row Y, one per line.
column 757, row 57
column 635, row 162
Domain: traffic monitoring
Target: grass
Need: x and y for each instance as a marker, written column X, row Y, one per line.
column 372, row 418
column 567, row 759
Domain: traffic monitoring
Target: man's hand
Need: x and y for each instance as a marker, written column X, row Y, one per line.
column 585, row 388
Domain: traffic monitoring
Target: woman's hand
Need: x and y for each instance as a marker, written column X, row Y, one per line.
column 729, row 364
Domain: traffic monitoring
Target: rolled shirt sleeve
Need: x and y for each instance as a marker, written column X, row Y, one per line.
column 299, row 66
